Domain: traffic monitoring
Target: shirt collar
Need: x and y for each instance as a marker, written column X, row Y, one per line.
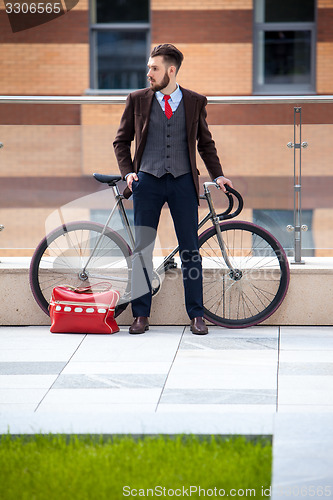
column 175, row 97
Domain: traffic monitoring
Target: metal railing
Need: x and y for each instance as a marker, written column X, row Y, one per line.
column 296, row 144
column 295, row 99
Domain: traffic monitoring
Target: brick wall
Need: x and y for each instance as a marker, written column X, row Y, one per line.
column 198, row 4
column 99, row 127
column 50, row 59
column 216, row 69
column 53, row 59
column 216, row 42
column 44, row 143
column 322, row 4
column 325, row 47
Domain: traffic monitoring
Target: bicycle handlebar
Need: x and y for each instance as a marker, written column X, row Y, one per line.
column 230, row 194
column 227, row 215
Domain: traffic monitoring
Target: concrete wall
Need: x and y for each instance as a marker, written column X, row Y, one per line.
column 308, row 301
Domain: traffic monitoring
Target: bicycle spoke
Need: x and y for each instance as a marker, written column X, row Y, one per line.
column 62, row 258
column 253, row 284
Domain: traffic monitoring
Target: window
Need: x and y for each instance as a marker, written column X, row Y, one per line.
column 284, row 46
column 120, row 33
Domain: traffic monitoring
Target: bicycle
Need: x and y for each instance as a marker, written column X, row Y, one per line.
column 245, row 269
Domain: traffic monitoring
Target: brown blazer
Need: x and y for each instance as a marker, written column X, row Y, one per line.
column 134, row 125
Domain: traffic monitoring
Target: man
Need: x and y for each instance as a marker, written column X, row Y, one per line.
column 167, row 122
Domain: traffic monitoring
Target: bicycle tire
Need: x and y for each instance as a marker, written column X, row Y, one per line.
column 250, row 295
column 60, row 257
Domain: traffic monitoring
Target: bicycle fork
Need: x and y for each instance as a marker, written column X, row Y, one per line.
column 216, row 223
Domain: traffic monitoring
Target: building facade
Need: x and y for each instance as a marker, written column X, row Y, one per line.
column 231, row 47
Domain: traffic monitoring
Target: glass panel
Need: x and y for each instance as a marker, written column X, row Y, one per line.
column 117, row 223
column 287, row 57
column 251, row 141
column 121, row 61
column 122, row 11
column 289, row 11
column 276, row 222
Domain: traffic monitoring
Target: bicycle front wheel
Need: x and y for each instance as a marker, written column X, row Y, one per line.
column 69, row 256
column 246, row 282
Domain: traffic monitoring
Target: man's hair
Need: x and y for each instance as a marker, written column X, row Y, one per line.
column 170, row 54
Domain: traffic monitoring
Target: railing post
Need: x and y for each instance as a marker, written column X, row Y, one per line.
column 297, row 145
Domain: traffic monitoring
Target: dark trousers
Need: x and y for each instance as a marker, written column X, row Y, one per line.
column 149, row 195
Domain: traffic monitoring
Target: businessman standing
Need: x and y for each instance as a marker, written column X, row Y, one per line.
column 167, row 122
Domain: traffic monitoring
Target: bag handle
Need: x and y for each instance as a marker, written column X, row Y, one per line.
column 104, row 287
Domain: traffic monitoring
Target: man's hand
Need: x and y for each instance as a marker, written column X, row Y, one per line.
column 222, row 182
column 130, row 178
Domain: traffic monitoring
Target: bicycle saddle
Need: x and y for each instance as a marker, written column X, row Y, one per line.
column 111, row 180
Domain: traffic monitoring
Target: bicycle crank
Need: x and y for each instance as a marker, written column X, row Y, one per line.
column 155, row 283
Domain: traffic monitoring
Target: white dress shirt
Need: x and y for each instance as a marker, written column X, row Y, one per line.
column 174, row 100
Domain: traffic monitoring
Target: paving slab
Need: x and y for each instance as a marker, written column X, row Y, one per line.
column 264, row 380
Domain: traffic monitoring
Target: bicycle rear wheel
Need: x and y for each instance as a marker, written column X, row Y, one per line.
column 62, row 256
column 257, row 282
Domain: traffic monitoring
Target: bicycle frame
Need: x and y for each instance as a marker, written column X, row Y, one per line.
column 119, row 204
column 230, row 252
column 211, row 215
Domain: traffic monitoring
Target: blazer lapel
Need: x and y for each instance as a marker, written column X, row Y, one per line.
column 146, row 102
column 190, row 109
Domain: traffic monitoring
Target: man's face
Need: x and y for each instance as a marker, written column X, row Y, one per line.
column 157, row 73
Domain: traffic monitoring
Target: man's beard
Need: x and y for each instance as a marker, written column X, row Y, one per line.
column 164, row 83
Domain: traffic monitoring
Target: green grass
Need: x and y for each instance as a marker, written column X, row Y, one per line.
column 89, row 467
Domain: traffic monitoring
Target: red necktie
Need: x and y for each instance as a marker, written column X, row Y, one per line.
column 168, row 110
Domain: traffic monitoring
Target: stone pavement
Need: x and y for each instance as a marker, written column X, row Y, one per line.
column 262, row 380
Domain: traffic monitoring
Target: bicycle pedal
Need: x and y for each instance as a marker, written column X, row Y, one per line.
column 170, row 265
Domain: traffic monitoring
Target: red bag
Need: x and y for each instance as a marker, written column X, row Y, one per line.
column 82, row 310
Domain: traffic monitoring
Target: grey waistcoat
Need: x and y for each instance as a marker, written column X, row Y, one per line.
column 166, row 148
